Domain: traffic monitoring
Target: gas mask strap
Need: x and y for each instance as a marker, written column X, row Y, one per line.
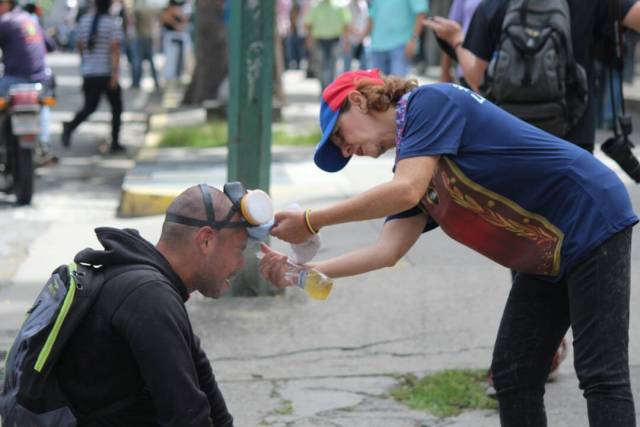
column 208, row 204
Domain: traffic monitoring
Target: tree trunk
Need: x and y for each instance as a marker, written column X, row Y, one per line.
column 211, row 52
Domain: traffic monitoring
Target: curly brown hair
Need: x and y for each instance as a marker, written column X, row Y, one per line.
column 382, row 97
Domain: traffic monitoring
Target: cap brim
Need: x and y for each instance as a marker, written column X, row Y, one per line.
column 328, row 156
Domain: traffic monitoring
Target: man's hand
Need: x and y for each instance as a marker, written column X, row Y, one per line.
column 113, row 83
column 446, row 29
column 273, row 267
column 346, row 45
column 291, row 227
column 410, row 49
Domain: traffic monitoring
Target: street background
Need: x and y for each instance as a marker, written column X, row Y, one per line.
column 285, row 360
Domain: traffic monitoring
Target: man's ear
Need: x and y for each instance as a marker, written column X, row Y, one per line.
column 356, row 99
column 205, row 238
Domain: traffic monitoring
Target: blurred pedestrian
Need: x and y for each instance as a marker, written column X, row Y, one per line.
column 590, row 22
column 99, row 40
column 327, row 24
column 283, row 27
column 304, row 6
column 395, row 26
column 24, row 47
column 145, row 17
column 358, row 38
column 129, row 44
column 294, row 43
column 176, row 40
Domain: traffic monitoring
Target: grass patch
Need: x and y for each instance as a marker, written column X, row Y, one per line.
column 285, row 409
column 280, row 137
column 445, row 393
column 214, row 134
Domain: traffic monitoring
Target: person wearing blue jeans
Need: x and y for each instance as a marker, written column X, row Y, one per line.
column 395, row 27
column 392, row 62
column 145, row 18
column 327, row 24
column 145, row 53
column 326, row 52
column 358, row 38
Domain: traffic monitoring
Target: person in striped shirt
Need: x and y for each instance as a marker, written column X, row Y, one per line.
column 99, row 38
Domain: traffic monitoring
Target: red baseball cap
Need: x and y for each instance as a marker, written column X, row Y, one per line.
column 328, row 156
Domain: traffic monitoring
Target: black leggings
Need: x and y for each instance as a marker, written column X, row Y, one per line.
column 93, row 88
column 592, row 298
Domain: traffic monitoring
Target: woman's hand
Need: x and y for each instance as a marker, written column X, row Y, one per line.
column 113, row 81
column 273, row 267
column 291, row 227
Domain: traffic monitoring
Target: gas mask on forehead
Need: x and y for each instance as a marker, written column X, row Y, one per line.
column 254, row 206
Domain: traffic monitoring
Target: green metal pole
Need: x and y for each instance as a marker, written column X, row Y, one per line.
column 249, row 113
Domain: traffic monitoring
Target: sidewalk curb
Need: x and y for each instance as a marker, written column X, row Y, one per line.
column 143, row 201
column 138, row 203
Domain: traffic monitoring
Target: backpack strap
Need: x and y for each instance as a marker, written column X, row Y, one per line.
column 524, row 11
column 621, row 122
column 62, row 314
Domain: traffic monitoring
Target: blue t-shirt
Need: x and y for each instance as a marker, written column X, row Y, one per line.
column 393, row 22
column 520, row 196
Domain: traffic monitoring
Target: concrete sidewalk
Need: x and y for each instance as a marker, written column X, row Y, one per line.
column 292, row 361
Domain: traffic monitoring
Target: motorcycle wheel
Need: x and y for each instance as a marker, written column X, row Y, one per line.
column 23, row 176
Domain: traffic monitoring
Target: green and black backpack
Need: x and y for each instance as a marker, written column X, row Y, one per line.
column 31, row 396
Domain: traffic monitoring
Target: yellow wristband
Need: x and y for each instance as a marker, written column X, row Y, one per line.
column 308, row 222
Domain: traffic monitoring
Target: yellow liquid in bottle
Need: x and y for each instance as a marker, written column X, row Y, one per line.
column 317, row 285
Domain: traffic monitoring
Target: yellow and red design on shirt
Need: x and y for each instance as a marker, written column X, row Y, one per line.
column 30, row 32
column 491, row 224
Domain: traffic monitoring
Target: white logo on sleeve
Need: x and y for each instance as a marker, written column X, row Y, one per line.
column 474, row 95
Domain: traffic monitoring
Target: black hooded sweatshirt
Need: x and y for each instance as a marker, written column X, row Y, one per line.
column 135, row 360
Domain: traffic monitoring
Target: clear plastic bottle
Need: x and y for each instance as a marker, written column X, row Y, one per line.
column 315, row 283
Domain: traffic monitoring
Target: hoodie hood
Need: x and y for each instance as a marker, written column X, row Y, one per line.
column 126, row 247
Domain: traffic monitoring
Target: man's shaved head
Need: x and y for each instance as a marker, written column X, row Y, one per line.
column 190, row 204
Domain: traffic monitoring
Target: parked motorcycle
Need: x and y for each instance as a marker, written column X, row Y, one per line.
column 19, row 134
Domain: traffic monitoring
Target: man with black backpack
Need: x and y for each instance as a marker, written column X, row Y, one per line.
column 479, row 54
column 534, row 58
column 118, row 348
